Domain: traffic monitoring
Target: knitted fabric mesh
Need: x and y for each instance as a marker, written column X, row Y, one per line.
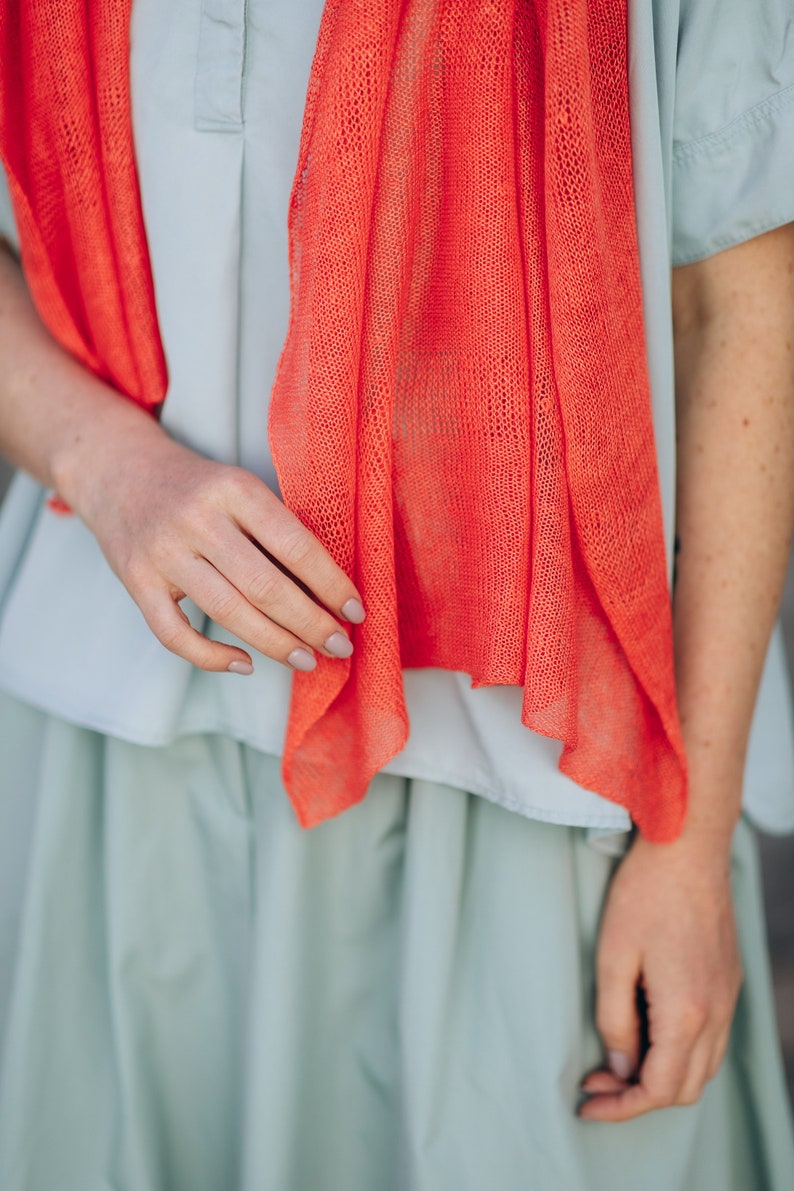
column 461, row 412
column 66, row 144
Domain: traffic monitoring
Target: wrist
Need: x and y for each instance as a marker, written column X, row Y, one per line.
column 97, row 447
column 701, row 850
column 716, row 753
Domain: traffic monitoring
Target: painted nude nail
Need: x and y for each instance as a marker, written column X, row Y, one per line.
column 353, row 610
column 619, row 1064
column 339, row 645
column 301, row 659
column 240, row 667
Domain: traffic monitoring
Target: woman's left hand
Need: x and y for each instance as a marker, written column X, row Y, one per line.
column 668, row 929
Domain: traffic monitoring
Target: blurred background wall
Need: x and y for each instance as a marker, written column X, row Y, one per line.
column 778, row 864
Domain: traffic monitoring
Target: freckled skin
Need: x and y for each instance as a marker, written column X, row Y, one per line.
column 734, row 326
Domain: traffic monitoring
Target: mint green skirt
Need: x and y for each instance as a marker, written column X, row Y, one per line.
column 197, row 995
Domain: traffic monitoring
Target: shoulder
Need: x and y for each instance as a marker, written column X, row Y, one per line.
column 732, row 122
column 734, row 59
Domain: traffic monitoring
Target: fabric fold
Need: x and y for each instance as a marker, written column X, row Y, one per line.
column 462, row 411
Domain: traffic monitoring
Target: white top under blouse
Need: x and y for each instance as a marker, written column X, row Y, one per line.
column 218, row 89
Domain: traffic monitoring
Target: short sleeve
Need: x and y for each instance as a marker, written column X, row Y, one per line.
column 733, row 132
column 8, row 229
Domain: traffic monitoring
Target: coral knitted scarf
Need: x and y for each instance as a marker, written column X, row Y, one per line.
column 462, row 411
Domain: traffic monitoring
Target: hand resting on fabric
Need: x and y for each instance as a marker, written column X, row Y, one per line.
column 170, row 522
column 669, row 930
column 173, row 524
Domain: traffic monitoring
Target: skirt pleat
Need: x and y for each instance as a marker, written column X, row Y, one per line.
column 198, row 995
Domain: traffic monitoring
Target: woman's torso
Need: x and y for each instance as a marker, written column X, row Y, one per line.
column 218, row 91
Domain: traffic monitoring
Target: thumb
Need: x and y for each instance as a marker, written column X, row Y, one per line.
column 618, row 1017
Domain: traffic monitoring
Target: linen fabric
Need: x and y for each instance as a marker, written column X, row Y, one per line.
column 462, row 413
column 218, row 96
column 208, row 996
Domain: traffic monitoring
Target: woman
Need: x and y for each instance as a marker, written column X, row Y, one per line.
column 204, row 994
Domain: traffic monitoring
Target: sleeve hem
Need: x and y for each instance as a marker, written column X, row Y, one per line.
column 735, row 183
column 743, row 125
column 739, row 236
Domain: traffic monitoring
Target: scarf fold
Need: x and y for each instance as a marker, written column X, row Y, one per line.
column 461, row 412
column 66, row 144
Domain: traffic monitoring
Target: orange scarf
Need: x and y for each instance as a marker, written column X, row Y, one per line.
column 462, row 410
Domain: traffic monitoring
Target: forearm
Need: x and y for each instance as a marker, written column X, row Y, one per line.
column 734, row 318
column 170, row 523
column 668, row 924
column 54, row 416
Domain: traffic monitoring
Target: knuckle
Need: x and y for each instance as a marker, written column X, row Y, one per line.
column 220, row 606
column 233, row 484
column 297, row 548
column 170, row 633
column 692, row 1016
column 136, row 575
column 683, row 1021
column 154, row 613
column 194, row 525
column 261, row 589
column 163, row 546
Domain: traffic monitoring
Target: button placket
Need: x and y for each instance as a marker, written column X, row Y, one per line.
column 220, row 66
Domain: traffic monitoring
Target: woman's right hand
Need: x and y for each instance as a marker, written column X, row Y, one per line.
column 172, row 524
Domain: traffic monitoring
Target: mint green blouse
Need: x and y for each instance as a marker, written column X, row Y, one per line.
column 218, row 89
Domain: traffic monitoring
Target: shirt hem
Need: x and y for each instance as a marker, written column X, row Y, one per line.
column 619, row 821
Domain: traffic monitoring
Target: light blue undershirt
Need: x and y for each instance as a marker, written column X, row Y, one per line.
column 218, row 91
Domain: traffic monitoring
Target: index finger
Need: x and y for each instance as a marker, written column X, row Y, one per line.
column 284, row 536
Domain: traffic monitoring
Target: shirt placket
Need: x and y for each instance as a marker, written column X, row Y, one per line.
column 220, row 67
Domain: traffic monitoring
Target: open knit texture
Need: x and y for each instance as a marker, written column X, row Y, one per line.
column 66, row 143
column 462, row 411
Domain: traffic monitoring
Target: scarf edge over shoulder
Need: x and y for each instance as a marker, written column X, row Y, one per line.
column 462, row 409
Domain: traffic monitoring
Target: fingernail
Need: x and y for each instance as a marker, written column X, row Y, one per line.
column 620, row 1064
column 339, row 645
column 301, row 659
column 353, row 610
column 240, row 668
